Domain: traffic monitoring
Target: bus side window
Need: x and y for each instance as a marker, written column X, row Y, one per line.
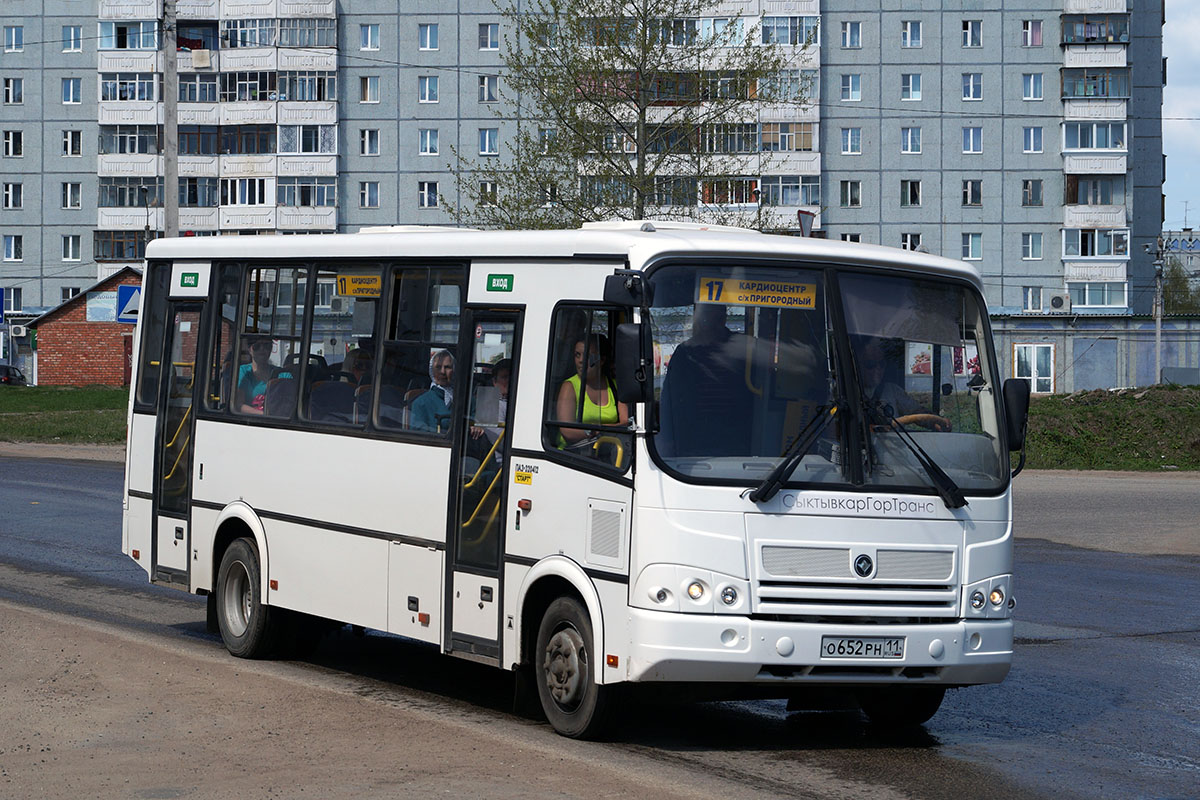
column 153, row 325
column 269, row 359
column 219, row 394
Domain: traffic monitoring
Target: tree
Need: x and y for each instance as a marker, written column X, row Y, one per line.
column 638, row 109
column 1181, row 293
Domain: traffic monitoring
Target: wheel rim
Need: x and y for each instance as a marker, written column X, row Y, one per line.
column 566, row 668
column 238, row 598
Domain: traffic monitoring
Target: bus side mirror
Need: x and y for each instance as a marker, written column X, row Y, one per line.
column 629, row 364
column 627, row 288
column 1016, row 410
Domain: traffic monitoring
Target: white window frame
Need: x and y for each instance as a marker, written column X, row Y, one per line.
column 1031, row 299
column 1031, row 86
column 368, row 141
column 427, row 194
column 972, row 139
column 368, row 89
column 489, row 36
column 72, row 38
column 972, row 86
column 852, row 141
column 852, row 87
column 971, row 198
column 489, row 141
column 14, row 196
column 14, row 144
column 1031, row 29
column 910, row 86
column 71, row 250
column 1031, row 139
column 1074, row 288
column 972, row 33
column 72, row 91
column 910, row 241
column 910, row 140
column 368, row 36
column 72, row 195
column 14, row 91
column 910, row 34
column 907, row 187
column 972, row 246
column 1038, row 383
column 14, row 38
column 427, row 36
column 13, row 302
column 1117, row 238
column 427, row 88
column 489, row 88
column 14, row 247
column 1028, row 192
column 852, row 237
column 67, row 292
column 851, row 35
column 427, row 141
column 1031, row 247
column 368, row 194
column 69, row 140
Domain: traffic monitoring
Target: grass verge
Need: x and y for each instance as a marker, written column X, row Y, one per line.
column 63, row 414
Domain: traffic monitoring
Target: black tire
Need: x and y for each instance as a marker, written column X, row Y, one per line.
column 575, row 705
column 900, row 706
column 248, row 628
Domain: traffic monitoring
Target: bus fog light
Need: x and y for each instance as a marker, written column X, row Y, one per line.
column 997, row 596
column 660, row 595
column 729, row 595
column 695, row 590
column 977, row 599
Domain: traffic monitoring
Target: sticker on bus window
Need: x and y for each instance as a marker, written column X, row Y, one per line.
column 749, row 292
column 360, row 285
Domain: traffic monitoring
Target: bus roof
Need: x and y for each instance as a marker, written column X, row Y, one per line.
column 636, row 242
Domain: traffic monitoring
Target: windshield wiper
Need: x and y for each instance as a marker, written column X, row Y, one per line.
column 804, row 441
column 946, row 488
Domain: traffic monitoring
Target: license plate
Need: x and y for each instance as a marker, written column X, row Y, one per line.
column 862, row 647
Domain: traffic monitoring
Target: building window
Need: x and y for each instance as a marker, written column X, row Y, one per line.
column 787, row 136
column 851, row 194
column 910, row 86
column 13, row 247
column 489, row 36
column 427, row 141
column 739, row 191
column 1097, row 295
column 368, row 36
column 14, row 38
column 307, row 32
column 972, row 140
column 1095, row 191
column 972, row 246
column 12, row 300
column 307, row 139
column 247, row 86
column 140, row 35
column 910, row 241
column 1031, row 33
column 910, row 33
column 487, row 193
column 14, row 144
column 14, row 194
column 852, row 35
column 1095, row 243
column 910, row 193
column 791, row 30
column 199, row 193
column 368, row 89
column 1031, row 83
column 489, row 141
column 972, row 192
column 1031, row 250
column 910, row 140
column 851, row 141
column 851, row 237
column 14, row 91
column 72, row 38
column 70, row 252
column 197, row 88
column 1035, row 363
column 198, row 140
column 1096, row 82
column 1031, row 192
column 129, row 86
column 427, row 89
column 776, row 190
column 119, row 245
column 972, row 33
column 71, row 195
column 306, row 192
column 1031, row 298
column 308, row 85
column 852, row 88
column 368, row 194
column 1032, row 139
column 72, row 143
column 67, row 292
column 489, row 88
column 368, row 142
column 246, row 192
column 427, row 194
column 1094, row 135
column 129, row 192
column 427, row 36
column 972, row 86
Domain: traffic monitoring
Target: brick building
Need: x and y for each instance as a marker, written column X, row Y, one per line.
column 81, row 343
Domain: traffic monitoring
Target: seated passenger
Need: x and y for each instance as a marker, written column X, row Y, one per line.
column 598, row 404
column 253, row 377
column 431, row 410
column 358, row 364
column 897, row 402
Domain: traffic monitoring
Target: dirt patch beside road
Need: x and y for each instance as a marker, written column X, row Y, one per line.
column 77, row 452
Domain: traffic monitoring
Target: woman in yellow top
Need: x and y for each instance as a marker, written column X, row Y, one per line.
column 600, row 404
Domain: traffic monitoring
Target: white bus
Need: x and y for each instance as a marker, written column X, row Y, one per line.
column 632, row 453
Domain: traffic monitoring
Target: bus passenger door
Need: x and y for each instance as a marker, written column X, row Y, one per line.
column 480, row 488
column 173, row 443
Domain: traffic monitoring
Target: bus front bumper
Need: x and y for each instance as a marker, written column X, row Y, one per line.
column 668, row 646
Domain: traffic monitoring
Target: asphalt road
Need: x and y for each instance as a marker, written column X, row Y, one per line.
column 1101, row 701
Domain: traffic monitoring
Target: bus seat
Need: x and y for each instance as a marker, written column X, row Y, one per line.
column 331, row 401
column 281, row 397
column 362, row 402
column 392, row 410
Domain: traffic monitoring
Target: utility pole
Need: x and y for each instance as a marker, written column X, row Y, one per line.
column 170, row 122
column 1158, row 314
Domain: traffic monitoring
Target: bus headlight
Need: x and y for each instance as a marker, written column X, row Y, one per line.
column 729, row 595
column 996, row 598
column 695, row 590
column 976, row 599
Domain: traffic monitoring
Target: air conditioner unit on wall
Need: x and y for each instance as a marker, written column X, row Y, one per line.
column 1059, row 304
column 17, row 331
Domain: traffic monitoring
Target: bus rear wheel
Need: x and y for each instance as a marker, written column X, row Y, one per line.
column 575, row 705
column 247, row 625
column 900, row 706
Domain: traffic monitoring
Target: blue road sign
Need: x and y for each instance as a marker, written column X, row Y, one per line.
column 128, row 300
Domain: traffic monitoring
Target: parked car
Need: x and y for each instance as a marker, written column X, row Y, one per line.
column 11, row 376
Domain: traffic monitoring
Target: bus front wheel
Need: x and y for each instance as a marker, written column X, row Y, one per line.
column 245, row 622
column 575, row 705
column 900, row 706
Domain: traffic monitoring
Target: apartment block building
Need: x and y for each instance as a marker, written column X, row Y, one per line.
column 1026, row 139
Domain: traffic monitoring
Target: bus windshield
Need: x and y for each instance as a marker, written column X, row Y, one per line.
column 749, row 359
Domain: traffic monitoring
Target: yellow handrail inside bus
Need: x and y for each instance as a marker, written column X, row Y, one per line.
column 486, row 460
column 182, row 422
column 749, row 361
column 483, row 499
column 175, row 466
column 613, row 440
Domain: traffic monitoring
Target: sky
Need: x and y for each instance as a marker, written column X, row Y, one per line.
column 1181, row 98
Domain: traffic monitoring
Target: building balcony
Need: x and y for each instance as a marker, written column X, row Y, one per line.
column 307, row 8
column 316, row 58
column 1095, row 109
column 247, row 217
column 1095, row 6
column 198, row 167
column 247, row 113
column 198, row 113
column 807, row 8
column 790, row 163
column 129, row 61
column 198, row 219
column 1085, row 272
column 195, row 61
column 139, row 165
column 130, row 9
column 303, row 166
column 1076, row 216
column 1094, row 164
column 129, row 219
column 197, row 9
column 253, row 9
column 1094, row 55
column 298, row 113
column 306, row 218
column 249, row 59
column 248, row 166
column 129, row 112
